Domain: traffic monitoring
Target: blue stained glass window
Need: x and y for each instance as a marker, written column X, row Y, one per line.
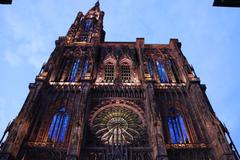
column 52, row 126
column 150, row 68
column 55, row 129
column 88, row 25
column 58, row 127
column 85, row 67
column 183, row 129
column 171, row 130
column 177, row 129
column 74, row 70
column 64, row 128
column 161, row 72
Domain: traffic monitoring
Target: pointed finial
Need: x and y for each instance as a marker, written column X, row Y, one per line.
column 97, row 3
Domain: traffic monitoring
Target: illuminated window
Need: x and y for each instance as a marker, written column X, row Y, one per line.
column 126, row 74
column 88, row 25
column 177, row 129
column 74, row 71
column 109, row 73
column 161, row 72
column 85, row 67
column 150, row 68
column 117, row 125
column 58, row 127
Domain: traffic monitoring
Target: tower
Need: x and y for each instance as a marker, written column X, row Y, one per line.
column 98, row 100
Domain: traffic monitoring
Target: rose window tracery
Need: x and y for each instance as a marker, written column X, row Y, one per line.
column 117, row 125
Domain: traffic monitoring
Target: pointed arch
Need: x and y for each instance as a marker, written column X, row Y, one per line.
column 125, row 60
column 161, row 72
column 173, row 67
column 85, row 67
column 88, row 25
column 110, row 60
column 59, row 125
column 74, row 70
column 177, row 129
column 109, row 69
column 125, row 65
column 150, row 67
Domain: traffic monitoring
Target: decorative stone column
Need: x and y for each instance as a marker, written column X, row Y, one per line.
column 76, row 137
column 155, row 129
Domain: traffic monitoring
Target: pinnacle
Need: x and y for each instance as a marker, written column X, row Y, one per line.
column 97, row 4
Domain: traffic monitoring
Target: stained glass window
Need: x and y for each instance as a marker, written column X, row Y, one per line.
column 109, row 72
column 58, row 127
column 85, row 67
column 126, row 74
column 150, row 68
column 88, row 25
column 161, row 72
column 177, row 129
column 74, row 71
column 117, row 125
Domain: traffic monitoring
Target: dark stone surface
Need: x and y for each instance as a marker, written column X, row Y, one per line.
column 5, row 1
column 227, row 3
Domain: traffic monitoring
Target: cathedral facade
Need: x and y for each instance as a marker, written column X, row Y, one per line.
column 98, row 100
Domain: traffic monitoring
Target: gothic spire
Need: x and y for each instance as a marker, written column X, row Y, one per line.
column 97, row 4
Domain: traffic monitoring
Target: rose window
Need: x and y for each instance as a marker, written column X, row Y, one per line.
column 117, row 125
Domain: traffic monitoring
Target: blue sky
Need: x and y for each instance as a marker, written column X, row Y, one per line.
column 210, row 38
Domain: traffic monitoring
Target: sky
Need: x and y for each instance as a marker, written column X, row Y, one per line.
column 209, row 36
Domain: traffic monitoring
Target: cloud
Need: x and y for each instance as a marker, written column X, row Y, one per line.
column 27, row 52
column 28, row 41
column 12, row 59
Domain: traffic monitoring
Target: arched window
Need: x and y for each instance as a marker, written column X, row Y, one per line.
column 58, row 127
column 109, row 72
column 125, row 73
column 161, row 72
column 74, row 70
column 88, row 25
column 174, row 69
column 85, row 67
column 177, row 129
column 150, row 68
column 61, row 69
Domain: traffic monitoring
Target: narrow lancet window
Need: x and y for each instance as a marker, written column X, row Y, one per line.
column 85, row 67
column 88, row 25
column 161, row 72
column 109, row 73
column 174, row 69
column 74, row 71
column 150, row 68
column 177, row 129
column 62, row 68
column 126, row 73
column 58, row 127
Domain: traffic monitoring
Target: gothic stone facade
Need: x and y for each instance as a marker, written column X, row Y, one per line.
column 97, row 100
